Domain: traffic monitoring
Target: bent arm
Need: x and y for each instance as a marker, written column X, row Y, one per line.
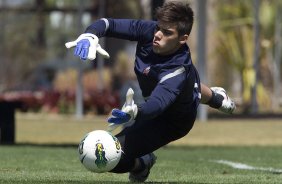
column 165, row 93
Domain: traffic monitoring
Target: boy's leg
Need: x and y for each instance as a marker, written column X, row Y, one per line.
column 140, row 139
column 141, row 173
column 144, row 137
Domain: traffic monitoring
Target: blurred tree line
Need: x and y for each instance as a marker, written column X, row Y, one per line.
column 33, row 33
column 235, row 51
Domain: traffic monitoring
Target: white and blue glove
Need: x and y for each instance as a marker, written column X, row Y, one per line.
column 86, row 46
column 227, row 105
column 126, row 115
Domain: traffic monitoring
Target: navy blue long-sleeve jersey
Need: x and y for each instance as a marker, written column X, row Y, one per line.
column 170, row 84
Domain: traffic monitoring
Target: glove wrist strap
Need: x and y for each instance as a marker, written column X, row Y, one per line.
column 216, row 100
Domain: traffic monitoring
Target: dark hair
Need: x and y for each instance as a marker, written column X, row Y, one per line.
column 179, row 13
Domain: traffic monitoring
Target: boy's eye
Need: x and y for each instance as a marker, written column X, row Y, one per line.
column 166, row 32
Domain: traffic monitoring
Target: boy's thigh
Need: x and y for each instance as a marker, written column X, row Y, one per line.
column 144, row 137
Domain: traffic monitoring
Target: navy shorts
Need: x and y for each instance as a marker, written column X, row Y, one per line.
column 144, row 137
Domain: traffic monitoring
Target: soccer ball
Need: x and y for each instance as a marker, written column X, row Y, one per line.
column 99, row 151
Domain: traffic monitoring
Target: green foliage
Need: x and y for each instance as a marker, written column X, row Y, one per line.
column 236, row 42
column 267, row 18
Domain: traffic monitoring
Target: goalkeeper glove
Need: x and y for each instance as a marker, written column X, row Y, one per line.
column 86, row 46
column 221, row 101
column 126, row 114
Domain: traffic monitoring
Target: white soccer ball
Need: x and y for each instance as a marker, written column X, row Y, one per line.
column 99, row 151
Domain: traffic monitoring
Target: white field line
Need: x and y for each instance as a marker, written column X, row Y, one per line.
column 238, row 165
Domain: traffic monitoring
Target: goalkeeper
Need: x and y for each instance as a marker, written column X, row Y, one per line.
column 168, row 80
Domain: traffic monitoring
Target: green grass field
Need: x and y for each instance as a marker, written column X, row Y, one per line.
column 46, row 152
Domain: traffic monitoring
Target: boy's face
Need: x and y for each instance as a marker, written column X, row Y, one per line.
column 166, row 39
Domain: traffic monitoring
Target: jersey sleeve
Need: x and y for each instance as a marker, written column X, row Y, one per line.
column 128, row 29
column 169, row 87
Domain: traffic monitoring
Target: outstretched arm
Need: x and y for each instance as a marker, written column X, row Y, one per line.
column 217, row 98
column 87, row 44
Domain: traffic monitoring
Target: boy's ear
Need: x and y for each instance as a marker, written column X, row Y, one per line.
column 183, row 39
